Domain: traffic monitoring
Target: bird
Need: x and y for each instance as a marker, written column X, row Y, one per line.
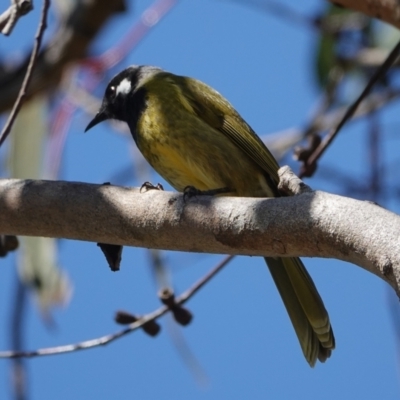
column 194, row 138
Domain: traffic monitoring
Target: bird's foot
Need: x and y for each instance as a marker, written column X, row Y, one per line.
column 149, row 186
column 191, row 191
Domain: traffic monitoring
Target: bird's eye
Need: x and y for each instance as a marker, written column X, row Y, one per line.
column 110, row 92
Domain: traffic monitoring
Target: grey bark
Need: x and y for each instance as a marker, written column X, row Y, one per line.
column 313, row 223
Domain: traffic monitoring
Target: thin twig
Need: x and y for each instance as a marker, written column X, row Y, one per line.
column 136, row 325
column 29, row 71
column 379, row 73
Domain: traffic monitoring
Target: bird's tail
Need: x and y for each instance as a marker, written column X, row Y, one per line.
column 304, row 306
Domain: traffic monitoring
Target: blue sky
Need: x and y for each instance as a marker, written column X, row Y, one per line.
column 240, row 335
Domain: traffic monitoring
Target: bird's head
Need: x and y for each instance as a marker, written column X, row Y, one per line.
column 120, row 97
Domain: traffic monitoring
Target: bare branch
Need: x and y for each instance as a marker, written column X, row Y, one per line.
column 69, row 44
column 308, row 168
column 22, row 93
column 101, row 341
column 311, row 224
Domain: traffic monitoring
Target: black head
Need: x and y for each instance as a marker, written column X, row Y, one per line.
column 119, row 98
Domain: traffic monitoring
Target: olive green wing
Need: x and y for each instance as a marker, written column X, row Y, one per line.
column 216, row 111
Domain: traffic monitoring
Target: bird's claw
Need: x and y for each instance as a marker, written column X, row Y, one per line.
column 149, row 186
column 189, row 192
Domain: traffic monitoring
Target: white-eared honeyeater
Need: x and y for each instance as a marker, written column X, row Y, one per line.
column 192, row 136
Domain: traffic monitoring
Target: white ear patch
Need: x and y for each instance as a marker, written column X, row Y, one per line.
column 124, row 87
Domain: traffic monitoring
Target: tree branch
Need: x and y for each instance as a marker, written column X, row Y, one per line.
column 28, row 75
column 140, row 323
column 76, row 29
column 314, row 224
column 309, row 165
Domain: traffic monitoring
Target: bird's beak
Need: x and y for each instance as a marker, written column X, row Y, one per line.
column 99, row 117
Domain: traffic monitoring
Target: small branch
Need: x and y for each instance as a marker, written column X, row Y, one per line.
column 22, row 93
column 76, row 29
column 309, row 164
column 101, row 341
column 10, row 17
column 291, row 183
